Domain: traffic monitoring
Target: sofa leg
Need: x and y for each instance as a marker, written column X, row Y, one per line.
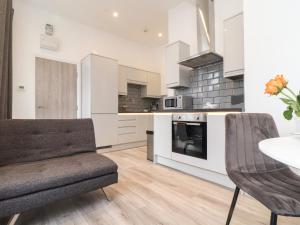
column 105, row 195
column 10, row 220
column 273, row 219
column 5, row 220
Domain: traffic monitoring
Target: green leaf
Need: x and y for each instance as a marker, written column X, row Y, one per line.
column 295, row 106
column 288, row 114
column 298, row 99
column 297, row 113
column 287, row 101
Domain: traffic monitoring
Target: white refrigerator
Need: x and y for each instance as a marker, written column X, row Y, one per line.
column 99, row 88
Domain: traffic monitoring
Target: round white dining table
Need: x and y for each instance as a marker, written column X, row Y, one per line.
column 283, row 149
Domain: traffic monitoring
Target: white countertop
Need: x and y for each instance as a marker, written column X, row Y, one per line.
column 170, row 113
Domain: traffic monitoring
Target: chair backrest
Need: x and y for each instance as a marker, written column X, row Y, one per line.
column 243, row 133
column 34, row 140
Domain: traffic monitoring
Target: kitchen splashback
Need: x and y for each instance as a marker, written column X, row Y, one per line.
column 133, row 102
column 209, row 86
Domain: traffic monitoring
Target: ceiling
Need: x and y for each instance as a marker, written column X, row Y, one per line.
column 134, row 16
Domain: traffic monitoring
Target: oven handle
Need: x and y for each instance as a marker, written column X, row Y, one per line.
column 189, row 124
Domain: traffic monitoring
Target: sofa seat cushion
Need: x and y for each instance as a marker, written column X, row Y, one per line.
column 26, row 178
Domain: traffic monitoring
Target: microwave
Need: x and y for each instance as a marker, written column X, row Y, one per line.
column 178, row 102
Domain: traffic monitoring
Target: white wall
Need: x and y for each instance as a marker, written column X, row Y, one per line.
column 182, row 25
column 224, row 10
column 76, row 41
column 272, row 47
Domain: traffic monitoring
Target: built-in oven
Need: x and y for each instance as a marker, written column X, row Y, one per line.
column 189, row 135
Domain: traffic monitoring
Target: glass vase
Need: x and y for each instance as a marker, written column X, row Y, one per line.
column 297, row 125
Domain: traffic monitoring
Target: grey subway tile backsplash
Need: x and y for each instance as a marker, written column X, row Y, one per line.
column 133, row 102
column 209, row 86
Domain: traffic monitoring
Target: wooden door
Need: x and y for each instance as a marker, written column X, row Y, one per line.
column 55, row 89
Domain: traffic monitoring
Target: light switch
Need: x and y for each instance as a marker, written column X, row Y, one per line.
column 21, row 88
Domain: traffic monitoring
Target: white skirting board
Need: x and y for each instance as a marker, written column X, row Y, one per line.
column 208, row 175
column 123, row 147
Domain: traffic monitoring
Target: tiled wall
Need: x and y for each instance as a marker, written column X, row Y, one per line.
column 133, row 102
column 209, row 85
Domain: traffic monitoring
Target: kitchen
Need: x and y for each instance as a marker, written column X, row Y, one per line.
column 158, row 79
column 202, row 89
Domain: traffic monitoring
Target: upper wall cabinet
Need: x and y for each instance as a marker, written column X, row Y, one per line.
column 134, row 76
column 234, row 46
column 122, row 80
column 153, row 87
column 150, row 81
column 177, row 75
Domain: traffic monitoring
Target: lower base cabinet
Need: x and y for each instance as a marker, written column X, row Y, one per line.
column 132, row 128
column 105, row 126
column 163, row 135
column 114, row 129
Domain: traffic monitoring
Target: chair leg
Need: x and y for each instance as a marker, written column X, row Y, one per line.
column 233, row 203
column 273, row 219
column 105, row 195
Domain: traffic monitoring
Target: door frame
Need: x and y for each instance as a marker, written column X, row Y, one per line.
column 63, row 60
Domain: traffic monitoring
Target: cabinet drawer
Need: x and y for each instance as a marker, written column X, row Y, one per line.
column 126, row 138
column 127, row 123
column 127, row 130
column 126, row 117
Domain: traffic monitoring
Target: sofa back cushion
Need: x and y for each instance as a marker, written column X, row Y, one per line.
column 34, row 140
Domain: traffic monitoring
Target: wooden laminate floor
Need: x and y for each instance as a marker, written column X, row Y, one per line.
column 152, row 194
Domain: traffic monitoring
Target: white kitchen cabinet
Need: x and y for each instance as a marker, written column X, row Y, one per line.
column 234, row 46
column 163, row 135
column 105, row 126
column 132, row 128
column 150, row 125
column 142, row 125
column 151, row 81
column 99, row 85
column 153, row 86
column 133, row 75
column 122, row 82
column 127, row 129
column 99, row 98
column 177, row 75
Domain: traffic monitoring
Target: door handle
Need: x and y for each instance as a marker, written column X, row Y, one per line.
column 40, row 107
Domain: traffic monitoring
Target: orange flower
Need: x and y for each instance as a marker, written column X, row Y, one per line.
column 280, row 79
column 275, row 86
column 271, row 88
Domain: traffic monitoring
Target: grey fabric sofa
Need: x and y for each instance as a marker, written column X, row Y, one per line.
column 42, row 161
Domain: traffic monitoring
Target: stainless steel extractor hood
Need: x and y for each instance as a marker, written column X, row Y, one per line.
column 205, row 36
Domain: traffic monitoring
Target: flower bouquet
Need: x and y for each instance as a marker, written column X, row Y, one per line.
column 278, row 86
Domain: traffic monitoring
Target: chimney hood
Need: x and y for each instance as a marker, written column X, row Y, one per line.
column 205, row 36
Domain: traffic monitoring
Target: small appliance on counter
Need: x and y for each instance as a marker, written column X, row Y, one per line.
column 178, row 102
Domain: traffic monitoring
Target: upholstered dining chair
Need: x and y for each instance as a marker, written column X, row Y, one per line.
column 270, row 182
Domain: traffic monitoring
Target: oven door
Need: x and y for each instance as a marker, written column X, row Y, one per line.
column 190, row 138
column 170, row 103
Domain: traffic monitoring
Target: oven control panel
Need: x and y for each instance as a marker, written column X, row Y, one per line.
column 190, row 117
